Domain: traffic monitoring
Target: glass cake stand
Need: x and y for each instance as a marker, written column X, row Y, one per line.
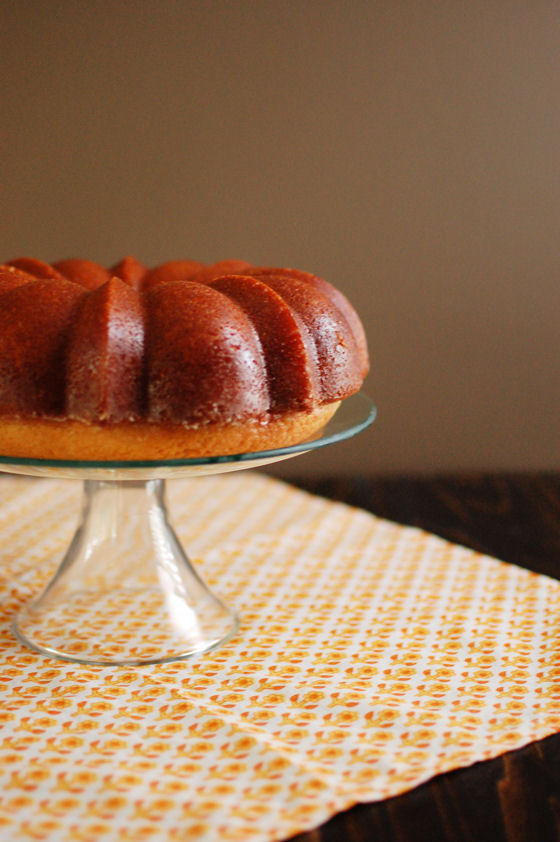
column 125, row 592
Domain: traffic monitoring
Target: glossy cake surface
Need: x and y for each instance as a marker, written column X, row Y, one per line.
column 181, row 359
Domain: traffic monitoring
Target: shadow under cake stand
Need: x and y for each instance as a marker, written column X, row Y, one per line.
column 125, row 592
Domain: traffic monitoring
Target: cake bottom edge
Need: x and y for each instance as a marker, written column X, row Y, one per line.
column 67, row 439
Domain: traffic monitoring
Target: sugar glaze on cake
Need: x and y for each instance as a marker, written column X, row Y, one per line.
column 179, row 360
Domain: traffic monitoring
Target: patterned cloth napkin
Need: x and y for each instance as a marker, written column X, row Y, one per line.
column 371, row 657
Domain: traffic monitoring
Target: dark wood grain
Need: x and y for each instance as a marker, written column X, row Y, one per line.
column 513, row 798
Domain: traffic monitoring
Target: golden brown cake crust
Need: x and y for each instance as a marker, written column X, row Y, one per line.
column 179, row 360
column 39, row 438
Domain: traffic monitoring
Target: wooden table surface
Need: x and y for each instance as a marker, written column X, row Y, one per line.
column 515, row 797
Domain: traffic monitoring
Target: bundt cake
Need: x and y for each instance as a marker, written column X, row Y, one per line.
column 180, row 360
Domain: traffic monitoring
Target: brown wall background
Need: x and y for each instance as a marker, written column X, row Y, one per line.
column 407, row 151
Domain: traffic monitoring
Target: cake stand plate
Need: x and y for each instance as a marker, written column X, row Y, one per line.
column 125, row 592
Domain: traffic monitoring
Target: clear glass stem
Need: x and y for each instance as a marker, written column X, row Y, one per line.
column 125, row 592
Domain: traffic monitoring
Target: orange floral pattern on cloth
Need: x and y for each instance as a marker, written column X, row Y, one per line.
column 371, row 657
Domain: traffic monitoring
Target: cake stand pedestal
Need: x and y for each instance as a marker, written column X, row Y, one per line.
column 125, row 592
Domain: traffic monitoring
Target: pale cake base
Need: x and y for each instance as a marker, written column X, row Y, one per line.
column 37, row 438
